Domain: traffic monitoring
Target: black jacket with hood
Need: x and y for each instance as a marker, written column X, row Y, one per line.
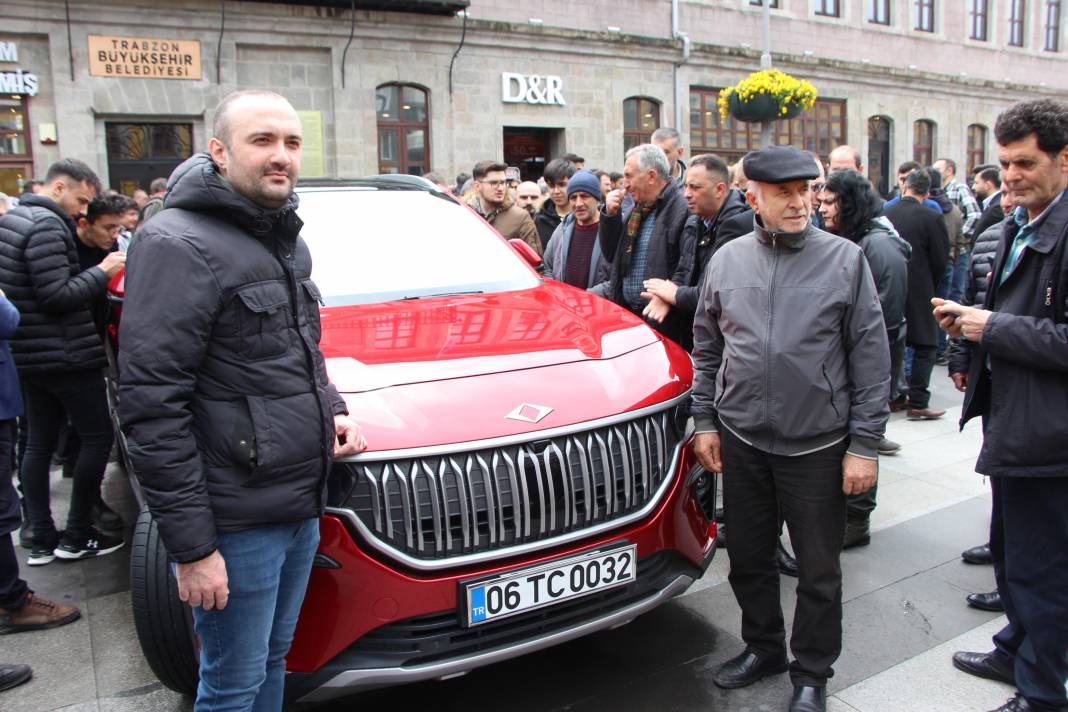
column 225, row 401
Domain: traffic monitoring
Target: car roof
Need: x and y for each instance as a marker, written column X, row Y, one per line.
column 379, row 182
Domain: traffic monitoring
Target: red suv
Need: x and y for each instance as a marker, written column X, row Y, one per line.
column 528, row 478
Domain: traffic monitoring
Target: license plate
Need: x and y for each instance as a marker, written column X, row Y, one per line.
column 547, row 584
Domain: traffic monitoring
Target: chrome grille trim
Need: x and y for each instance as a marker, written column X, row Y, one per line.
column 492, row 505
column 491, row 443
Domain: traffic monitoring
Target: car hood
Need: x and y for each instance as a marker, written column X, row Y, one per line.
column 373, row 346
column 438, row 372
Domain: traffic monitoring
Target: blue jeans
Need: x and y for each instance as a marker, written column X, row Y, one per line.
column 243, row 647
column 960, row 276
column 944, row 290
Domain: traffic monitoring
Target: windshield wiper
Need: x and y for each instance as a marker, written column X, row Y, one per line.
column 445, row 294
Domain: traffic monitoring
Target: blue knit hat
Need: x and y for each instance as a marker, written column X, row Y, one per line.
column 585, row 181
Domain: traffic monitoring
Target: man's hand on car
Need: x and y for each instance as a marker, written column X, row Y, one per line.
column 350, row 438
column 113, row 263
column 204, row 583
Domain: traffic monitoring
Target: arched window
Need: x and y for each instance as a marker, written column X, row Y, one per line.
column 923, row 142
column 879, row 132
column 977, row 134
column 641, row 116
column 403, row 129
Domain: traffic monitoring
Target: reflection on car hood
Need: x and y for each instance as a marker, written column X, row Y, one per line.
column 373, row 346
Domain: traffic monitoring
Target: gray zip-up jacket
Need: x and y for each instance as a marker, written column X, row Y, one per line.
column 790, row 350
column 558, row 249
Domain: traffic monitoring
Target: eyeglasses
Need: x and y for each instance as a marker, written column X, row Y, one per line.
column 493, row 183
column 817, row 187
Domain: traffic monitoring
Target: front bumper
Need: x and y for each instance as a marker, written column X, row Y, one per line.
column 366, row 623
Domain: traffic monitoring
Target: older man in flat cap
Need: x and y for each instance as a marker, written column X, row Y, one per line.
column 790, row 402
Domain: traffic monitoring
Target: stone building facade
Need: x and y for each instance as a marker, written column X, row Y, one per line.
column 417, row 85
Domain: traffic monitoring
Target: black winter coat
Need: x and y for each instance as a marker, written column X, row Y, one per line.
column 925, row 231
column 40, row 273
column 225, row 401
column 546, row 220
column 664, row 251
column 1021, row 396
column 698, row 245
column 976, row 285
column 888, row 256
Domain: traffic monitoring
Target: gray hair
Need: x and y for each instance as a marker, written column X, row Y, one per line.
column 666, row 133
column 650, row 158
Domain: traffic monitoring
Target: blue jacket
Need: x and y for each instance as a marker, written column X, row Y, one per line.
column 10, row 394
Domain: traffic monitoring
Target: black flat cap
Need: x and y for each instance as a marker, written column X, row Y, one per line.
column 779, row 164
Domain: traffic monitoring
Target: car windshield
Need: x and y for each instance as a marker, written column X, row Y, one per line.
column 372, row 245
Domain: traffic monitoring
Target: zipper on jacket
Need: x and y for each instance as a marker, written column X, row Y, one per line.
column 767, row 332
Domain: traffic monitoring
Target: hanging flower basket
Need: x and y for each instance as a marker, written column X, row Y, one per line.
column 765, row 96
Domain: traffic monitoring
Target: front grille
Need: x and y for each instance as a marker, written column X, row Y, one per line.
column 442, row 506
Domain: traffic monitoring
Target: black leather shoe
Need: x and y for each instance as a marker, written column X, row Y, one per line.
column 787, row 563
column 985, row 665
column 1016, row 704
column 978, row 555
column 747, row 668
column 857, row 533
column 13, row 674
column 986, row 601
column 721, row 535
column 809, row 699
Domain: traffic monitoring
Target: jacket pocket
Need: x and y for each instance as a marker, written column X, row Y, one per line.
column 830, row 391
column 261, row 322
column 313, row 299
column 287, row 435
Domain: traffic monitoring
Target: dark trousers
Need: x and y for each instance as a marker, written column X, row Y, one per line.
column 13, row 590
column 808, row 489
column 81, row 395
column 1028, row 535
column 923, row 358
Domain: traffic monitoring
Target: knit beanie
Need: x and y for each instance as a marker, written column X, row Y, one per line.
column 585, row 181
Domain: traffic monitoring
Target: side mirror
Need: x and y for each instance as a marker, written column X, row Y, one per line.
column 527, row 252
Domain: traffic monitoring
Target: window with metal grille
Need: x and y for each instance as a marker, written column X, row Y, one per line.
column 978, row 14
column 923, row 142
column 923, row 15
column 1016, row 23
column 879, row 12
column 977, row 134
column 820, row 129
column 1053, row 26
column 641, row 116
column 403, row 129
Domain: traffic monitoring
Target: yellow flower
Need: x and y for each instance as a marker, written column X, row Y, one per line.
column 787, row 90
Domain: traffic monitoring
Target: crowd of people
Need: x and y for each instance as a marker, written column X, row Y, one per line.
column 813, row 308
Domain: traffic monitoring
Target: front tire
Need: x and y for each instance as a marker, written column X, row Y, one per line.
column 164, row 624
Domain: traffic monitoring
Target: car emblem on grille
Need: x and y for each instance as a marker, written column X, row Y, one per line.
column 529, row 413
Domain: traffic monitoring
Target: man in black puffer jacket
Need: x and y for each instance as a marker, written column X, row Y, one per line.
column 59, row 355
column 231, row 422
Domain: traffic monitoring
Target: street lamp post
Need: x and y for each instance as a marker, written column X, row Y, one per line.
column 765, row 63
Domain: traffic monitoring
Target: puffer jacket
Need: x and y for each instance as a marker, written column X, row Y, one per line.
column 790, row 351
column 976, row 284
column 225, row 401
column 41, row 275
